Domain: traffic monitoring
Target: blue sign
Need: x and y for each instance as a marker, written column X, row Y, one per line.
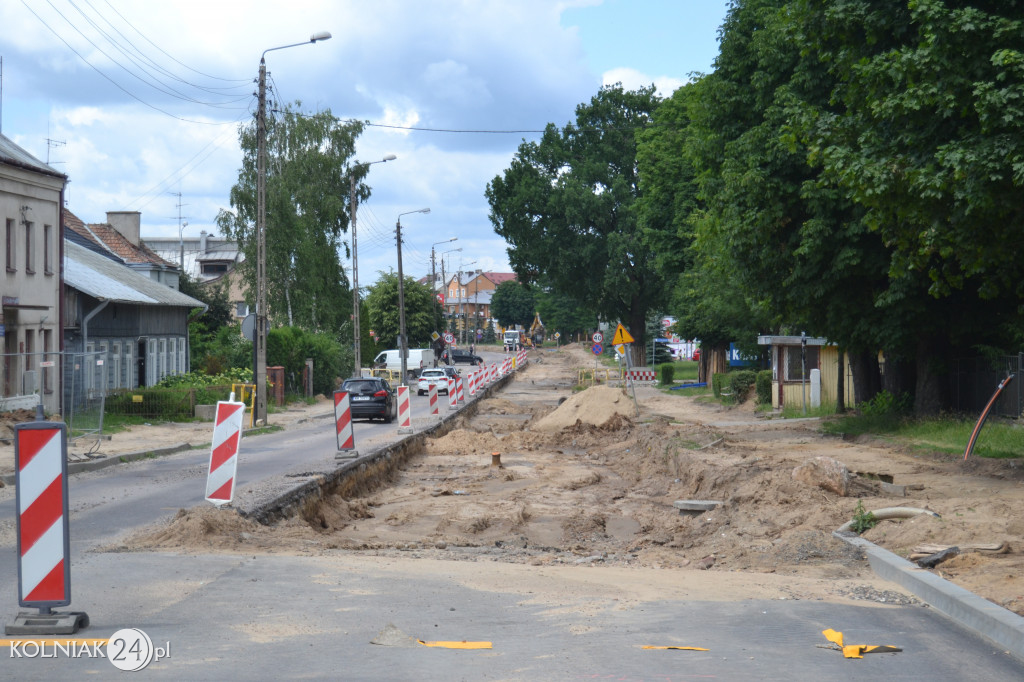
column 736, row 359
column 597, row 348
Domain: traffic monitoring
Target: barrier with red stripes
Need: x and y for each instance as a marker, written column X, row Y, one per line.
column 453, row 394
column 493, row 373
column 343, row 421
column 227, row 433
column 460, row 390
column 432, row 393
column 472, row 383
column 44, row 543
column 642, row 374
column 404, row 410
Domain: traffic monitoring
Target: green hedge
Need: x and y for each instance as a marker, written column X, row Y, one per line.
column 170, row 404
column 740, row 383
column 764, row 387
column 717, row 381
column 668, row 373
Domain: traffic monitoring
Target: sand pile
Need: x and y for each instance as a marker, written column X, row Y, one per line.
column 595, row 406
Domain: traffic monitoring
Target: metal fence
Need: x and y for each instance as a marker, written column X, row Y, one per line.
column 974, row 380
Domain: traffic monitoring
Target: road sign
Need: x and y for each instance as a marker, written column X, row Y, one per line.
column 434, row 336
column 621, row 336
column 597, row 348
column 558, row 335
column 449, row 337
column 598, row 337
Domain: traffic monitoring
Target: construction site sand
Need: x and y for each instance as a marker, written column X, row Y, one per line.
column 590, row 485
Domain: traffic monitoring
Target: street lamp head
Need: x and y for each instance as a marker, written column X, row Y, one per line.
column 389, row 157
column 320, row 35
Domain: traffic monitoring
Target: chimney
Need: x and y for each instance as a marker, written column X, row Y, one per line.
column 202, row 242
column 128, row 223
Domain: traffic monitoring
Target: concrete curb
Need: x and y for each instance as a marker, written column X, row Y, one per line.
column 103, row 463
column 966, row 608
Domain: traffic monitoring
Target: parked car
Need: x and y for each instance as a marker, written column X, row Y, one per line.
column 433, row 375
column 371, row 397
column 453, row 356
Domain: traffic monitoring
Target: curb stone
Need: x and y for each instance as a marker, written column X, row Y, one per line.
column 989, row 620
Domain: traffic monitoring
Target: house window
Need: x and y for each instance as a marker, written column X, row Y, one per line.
column 181, row 356
column 214, row 268
column 172, row 358
column 30, row 250
column 11, row 262
column 47, row 249
column 241, row 309
column 793, row 362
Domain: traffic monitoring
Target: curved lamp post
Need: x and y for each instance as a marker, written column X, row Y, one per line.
column 402, row 345
column 357, row 346
column 260, row 349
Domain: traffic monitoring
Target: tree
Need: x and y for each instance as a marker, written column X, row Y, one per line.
column 567, row 207
column 512, row 304
column 564, row 314
column 307, row 187
column 215, row 341
column 421, row 320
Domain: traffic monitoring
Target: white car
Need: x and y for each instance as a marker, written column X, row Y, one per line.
column 432, row 375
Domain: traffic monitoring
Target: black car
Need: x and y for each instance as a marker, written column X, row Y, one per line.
column 371, row 397
column 454, row 356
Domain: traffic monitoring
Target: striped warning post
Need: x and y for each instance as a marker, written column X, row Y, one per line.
column 343, row 421
column 460, row 389
column 227, row 432
column 642, row 374
column 453, row 394
column 44, row 545
column 432, row 393
column 404, row 410
column 494, row 372
column 472, row 383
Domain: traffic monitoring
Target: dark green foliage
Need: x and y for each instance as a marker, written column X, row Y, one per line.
column 289, row 347
column 718, row 381
column 512, row 304
column 741, row 382
column 421, row 316
column 489, row 335
column 668, row 373
column 764, row 387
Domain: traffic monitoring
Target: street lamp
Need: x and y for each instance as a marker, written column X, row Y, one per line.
column 443, row 280
column 355, row 263
column 462, row 307
column 402, row 345
column 260, row 409
column 433, row 270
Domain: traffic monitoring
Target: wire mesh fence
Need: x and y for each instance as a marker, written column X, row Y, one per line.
column 975, row 380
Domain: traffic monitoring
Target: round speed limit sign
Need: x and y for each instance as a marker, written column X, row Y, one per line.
column 449, row 337
column 598, row 337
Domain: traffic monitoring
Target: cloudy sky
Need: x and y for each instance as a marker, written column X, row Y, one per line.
column 139, row 100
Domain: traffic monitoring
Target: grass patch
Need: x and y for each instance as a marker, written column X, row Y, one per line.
column 997, row 440
column 685, row 370
column 797, row 411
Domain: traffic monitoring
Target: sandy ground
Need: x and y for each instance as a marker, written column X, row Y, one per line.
column 586, row 483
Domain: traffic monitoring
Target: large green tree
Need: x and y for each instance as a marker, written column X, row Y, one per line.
column 307, row 190
column 421, row 318
column 567, row 207
column 512, row 304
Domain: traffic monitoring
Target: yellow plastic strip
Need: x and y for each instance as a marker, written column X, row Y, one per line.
column 682, row 648
column 67, row 641
column 833, row 636
column 457, row 645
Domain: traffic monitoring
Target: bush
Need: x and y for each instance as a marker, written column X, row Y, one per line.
column 741, row 382
column 886, row 404
column 717, row 381
column 668, row 373
column 764, row 387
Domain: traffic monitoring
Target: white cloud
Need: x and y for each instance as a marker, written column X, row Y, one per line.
column 632, row 79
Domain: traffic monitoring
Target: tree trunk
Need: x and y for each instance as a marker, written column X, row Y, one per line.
column 866, row 379
column 930, row 394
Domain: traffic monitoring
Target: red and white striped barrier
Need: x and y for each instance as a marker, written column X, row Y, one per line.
column 506, row 366
column 640, row 374
column 460, row 390
column 453, row 394
column 343, row 422
column 432, row 393
column 472, row 383
column 522, row 358
column 44, row 545
column 404, row 410
column 227, row 433
column 493, row 376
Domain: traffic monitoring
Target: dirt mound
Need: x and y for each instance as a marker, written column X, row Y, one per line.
column 9, row 419
column 594, row 406
column 197, row 527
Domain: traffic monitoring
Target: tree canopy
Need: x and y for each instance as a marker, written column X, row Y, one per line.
column 567, row 206
column 421, row 318
column 307, row 189
column 512, row 304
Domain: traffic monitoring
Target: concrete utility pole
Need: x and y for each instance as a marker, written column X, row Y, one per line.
column 403, row 347
column 352, row 202
column 433, row 270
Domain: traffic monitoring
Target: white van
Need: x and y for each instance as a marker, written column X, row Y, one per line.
column 417, row 359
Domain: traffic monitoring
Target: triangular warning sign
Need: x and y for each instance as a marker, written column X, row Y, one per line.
column 621, row 336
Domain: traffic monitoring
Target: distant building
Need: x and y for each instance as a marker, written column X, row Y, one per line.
column 208, row 260
column 468, row 297
column 31, row 201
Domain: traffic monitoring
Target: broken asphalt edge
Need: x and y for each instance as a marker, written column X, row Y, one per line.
column 991, row 621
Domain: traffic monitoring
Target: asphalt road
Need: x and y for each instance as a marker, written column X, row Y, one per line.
column 288, row 617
